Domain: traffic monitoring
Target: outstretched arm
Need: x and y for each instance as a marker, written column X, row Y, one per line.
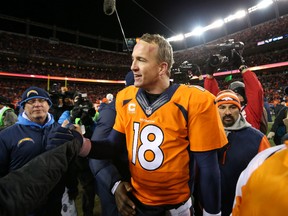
column 21, row 191
column 108, row 147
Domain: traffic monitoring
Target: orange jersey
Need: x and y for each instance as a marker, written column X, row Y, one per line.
column 262, row 186
column 159, row 134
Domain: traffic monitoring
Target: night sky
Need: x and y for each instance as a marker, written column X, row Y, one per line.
column 166, row 17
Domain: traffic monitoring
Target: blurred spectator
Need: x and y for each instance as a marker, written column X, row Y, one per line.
column 82, row 112
column 244, row 142
column 268, row 111
column 7, row 114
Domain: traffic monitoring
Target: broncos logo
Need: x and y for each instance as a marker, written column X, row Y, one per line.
column 25, row 139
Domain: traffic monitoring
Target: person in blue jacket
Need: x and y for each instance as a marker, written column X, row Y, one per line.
column 28, row 138
column 244, row 143
column 108, row 172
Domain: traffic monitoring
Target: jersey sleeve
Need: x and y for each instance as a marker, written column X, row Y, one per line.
column 206, row 131
column 254, row 94
column 243, row 179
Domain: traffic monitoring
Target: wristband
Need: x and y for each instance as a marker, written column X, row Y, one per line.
column 115, row 187
column 208, row 214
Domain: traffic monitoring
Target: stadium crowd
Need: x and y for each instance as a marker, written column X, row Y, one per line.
column 37, row 56
column 30, row 55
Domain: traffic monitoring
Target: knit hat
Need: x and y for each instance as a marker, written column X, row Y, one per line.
column 129, row 78
column 34, row 92
column 227, row 97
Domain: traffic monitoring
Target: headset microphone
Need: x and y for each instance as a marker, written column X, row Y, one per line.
column 109, row 7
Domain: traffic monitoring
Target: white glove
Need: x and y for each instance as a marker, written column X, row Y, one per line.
column 208, row 214
column 270, row 135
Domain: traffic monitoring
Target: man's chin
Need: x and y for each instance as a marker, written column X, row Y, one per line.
column 228, row 123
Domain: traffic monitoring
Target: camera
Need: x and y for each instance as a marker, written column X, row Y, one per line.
column 184, row 73
column 83, row 109
column 81, row 105
column 228, row 54
column 82, row 102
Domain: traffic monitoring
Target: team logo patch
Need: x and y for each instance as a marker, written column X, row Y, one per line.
column 227, row 99
column 148, row 110
column 131, row 107
column 32, row 92
column 24, row 140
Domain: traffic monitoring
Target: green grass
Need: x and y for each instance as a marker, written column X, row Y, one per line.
column 97, row 207
column 269, row 128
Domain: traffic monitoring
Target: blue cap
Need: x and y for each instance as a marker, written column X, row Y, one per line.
column 34, row 92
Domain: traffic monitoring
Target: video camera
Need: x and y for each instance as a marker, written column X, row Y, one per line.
column 81, row 101
column 185, row 72
column 229, row 52
column 83, row 109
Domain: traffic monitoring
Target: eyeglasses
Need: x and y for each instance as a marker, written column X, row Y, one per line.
column 39, row 100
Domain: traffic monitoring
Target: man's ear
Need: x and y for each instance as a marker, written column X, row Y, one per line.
column 163, row 67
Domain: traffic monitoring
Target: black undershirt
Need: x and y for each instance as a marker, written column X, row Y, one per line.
column 152, row 97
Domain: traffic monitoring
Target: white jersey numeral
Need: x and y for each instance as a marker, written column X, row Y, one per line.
column 151, row 138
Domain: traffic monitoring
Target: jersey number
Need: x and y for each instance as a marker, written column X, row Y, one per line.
column 151, row 137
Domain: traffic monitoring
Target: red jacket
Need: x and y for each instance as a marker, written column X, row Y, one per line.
column 253, row 110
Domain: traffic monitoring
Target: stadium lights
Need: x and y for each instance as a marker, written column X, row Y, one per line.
column 199, row 30
column 263, row 4
column 176, row 38
column 216, row 24
column 239, row 14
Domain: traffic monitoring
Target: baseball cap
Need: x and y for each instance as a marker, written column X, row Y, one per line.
column 239, row 88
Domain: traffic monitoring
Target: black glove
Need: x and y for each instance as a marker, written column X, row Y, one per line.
column 196, row 70
column 92, row 112
column 86, row 119
column 76, row 112
column 60, row 136
column 237, row 58
column 208, row 69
